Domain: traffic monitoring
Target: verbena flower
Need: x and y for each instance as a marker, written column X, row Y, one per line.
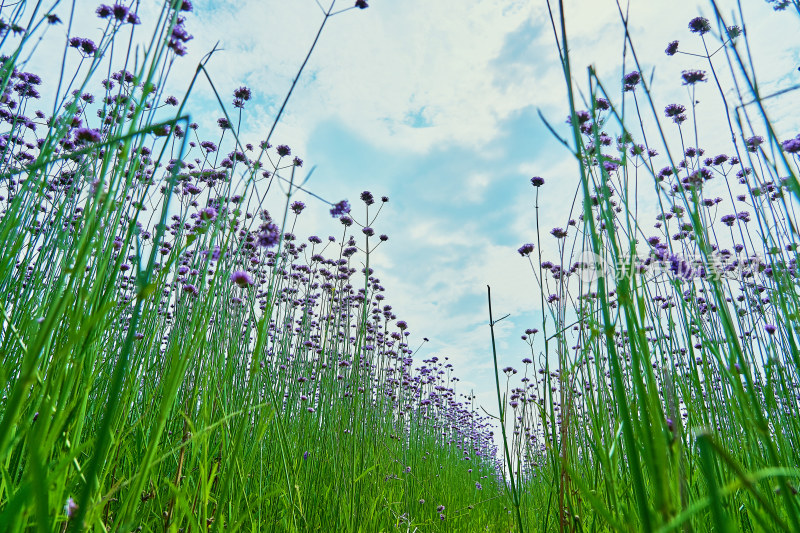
column 690, row 77
column 242, row 278
column 672, row 48
column 525, row 249
column 699, row 25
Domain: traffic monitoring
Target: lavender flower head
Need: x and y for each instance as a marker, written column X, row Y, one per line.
column 340, row 208
column 242, row 278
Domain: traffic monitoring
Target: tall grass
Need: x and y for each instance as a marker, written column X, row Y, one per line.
column 174, row 358
column 667, row 393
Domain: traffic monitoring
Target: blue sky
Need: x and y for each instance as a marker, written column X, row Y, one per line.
column 434, row 104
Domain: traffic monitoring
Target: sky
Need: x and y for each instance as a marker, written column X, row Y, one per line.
column 436, row 105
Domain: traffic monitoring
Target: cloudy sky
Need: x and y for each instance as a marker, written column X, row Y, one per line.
column 435, row 104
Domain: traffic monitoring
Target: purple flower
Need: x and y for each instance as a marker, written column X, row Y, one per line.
column 792, row 146
column 769, row 328
column 298, row 207
column 270, row 235
column 673, row 110
column 672, row 48
column 87, row 135
column 558, row 233
column 690, row 77
column 367, row 198
column 631, row 80
column 537, row 181
column 242, row 93
column 753, row 143
column 283, row 150
column 70, row 507
column 525, row 249
column 369, row 232
column 699, row 25
column 340, row 208
column 362, row 4
column 242, row 278
column 120, row 11
column 103, row 11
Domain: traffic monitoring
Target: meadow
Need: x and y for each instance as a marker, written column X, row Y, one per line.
column 175, row 358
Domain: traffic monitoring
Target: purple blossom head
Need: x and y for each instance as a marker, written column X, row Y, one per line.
column 699, row 25
column 769, row 328
column 690, row 77
column 558, row 233
column 367, row 198
column 672, row 48
column 631, row 80
column 298, row 207
column 283, row 150
column 242, row 278
column 340, row 208
column 525, row 249
column 537, row 181
column 361, row 4
column 753, row 143
column 87, row 135
column 792, row 146
column 270, row 235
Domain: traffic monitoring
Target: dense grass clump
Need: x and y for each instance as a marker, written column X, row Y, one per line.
column 667, row 393
column 174, row 358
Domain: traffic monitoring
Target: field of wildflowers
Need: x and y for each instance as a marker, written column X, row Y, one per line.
column 175, row 358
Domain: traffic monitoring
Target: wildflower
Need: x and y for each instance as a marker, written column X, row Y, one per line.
column 525, row 249
column 369, row 232
column 792, row 146
column 699, row 25
column 527, row 361
column 120, row 11
column 690, row 77
column 346, row 221
column 85, row 46
column 70, row 507
column 631, row 80
column 769, row 328
column 478, row 485
column 240, row 96
column 297, row 162
column 191, row 289
column 298, row 207
column 340, row 208
column 367, row 198
column 440, row 508
column 171, row 100
column 537, row 181
column 53, row 19
column 242, row 278
column 270, row 235
column 87, row 135
column 103, row 11
column 283, row 150
column 362, row 4
column 223, row 123
column 753, row 143
column 672, row 48
column 208, row 213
